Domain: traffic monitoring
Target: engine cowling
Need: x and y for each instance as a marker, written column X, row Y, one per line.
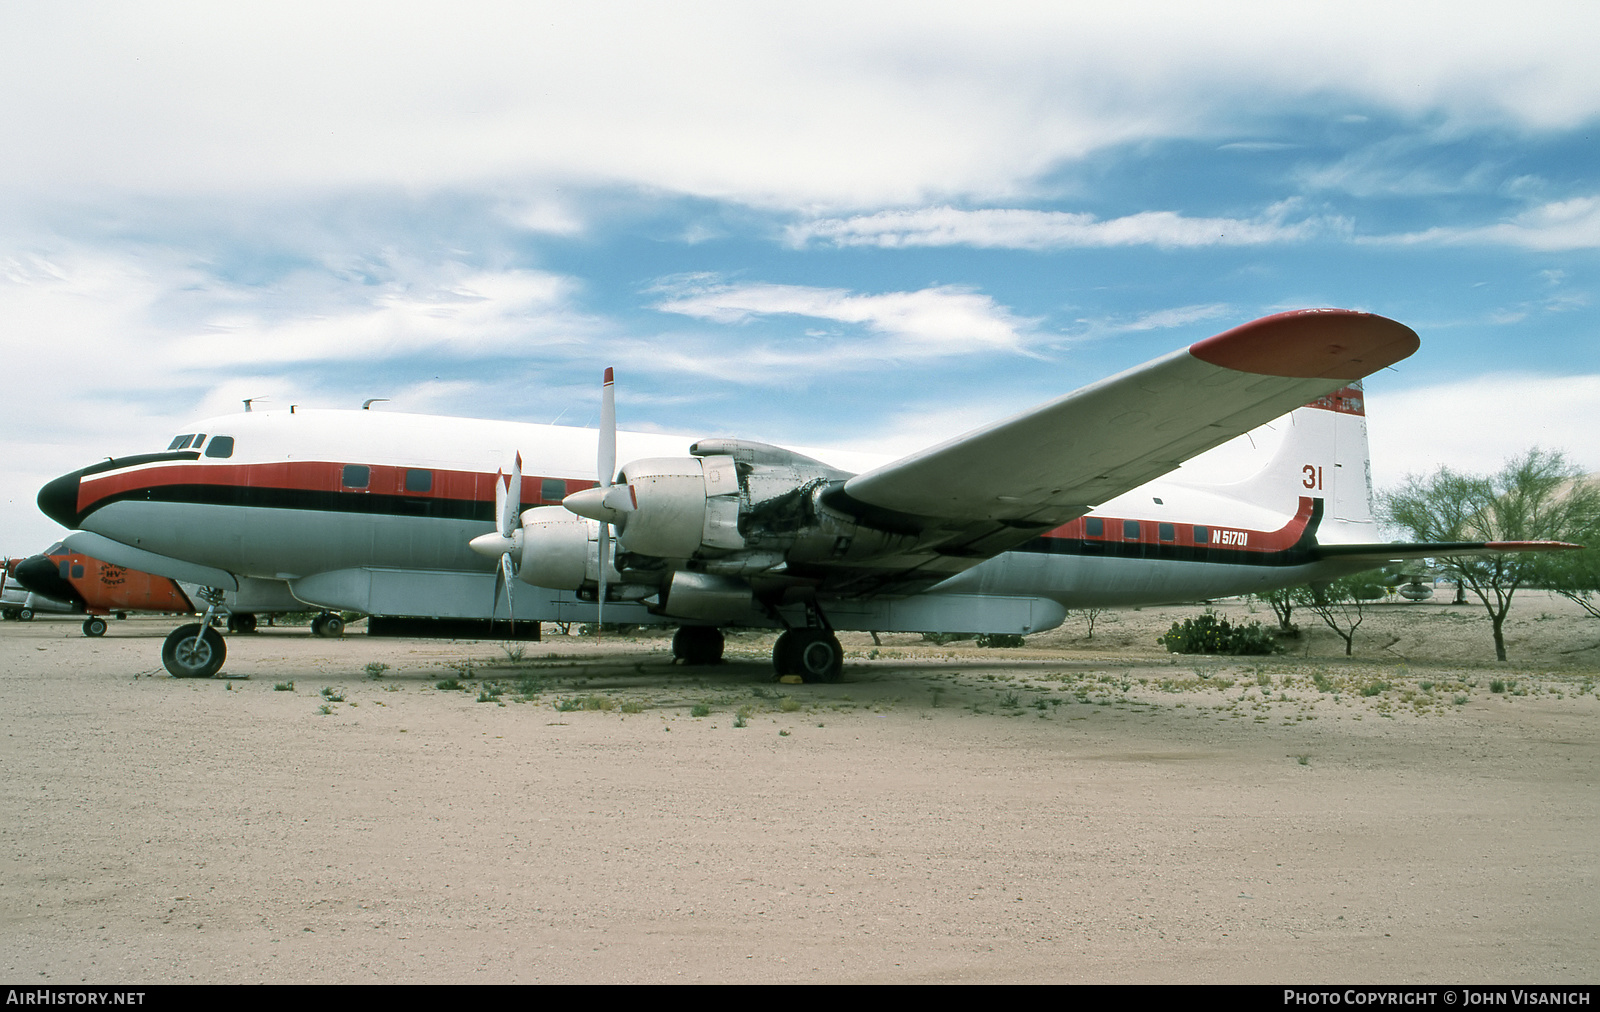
column 554, row 550
column 678, row 507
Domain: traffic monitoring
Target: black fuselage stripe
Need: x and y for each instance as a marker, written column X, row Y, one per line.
column 360, row 503
column 374, row 504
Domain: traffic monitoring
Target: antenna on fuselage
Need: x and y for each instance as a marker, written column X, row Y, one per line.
column 251, row 400
column 367, row 404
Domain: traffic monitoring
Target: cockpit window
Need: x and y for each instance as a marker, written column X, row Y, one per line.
column 221, row 446
column 181, row 442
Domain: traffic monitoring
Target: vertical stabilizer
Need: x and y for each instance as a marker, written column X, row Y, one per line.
column 1323, row 455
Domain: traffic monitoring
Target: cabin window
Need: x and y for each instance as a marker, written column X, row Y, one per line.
column 1130, row 530
column 418, row 480
column 1202, row 535
column 552, row 490
column 222, row 446
column 357, row 475
column 1166, row 532
column 1095, row 527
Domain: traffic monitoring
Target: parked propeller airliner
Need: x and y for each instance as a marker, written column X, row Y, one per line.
column 95, row 588
column 1000, row 530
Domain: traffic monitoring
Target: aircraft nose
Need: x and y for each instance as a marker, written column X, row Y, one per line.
column 58, row 500
column 41, row 574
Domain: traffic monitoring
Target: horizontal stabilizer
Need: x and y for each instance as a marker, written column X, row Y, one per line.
column 1400, row 551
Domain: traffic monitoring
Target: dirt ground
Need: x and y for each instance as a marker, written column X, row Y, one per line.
column 1075, row 810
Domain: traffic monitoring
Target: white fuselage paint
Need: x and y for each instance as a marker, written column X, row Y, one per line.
column 304, row 546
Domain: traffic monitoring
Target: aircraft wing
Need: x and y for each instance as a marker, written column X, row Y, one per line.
column 1054, row 463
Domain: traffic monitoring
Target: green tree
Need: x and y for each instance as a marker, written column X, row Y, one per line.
column 1342, row 604
column 1283, row 603
column 1575, row 575
column 1538, row 496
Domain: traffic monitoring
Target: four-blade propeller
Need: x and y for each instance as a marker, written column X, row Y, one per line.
column 506, row 541
column 607, row 503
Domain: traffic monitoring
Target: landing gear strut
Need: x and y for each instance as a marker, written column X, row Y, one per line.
column 196, row 650
column 698, row 644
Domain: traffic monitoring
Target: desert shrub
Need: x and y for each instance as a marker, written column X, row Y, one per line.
column 1209, row 633
column 941, row 638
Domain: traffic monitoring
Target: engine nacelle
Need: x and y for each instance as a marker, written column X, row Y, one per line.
column 560, row 551
column 555, row 548
column 683, row 506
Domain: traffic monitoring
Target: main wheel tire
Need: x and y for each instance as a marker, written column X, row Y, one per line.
column 24, row 614
column 813, row 654
column 94, row 625
column 698, row 644
column 242, row 622
column 193, row 651
column 332, row 626
column 780, row 654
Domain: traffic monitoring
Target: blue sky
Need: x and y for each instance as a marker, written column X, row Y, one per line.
column 826, row 226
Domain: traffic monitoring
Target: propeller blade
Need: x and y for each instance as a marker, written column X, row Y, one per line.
column 506, row 577
column 606, row 465
column 606, row 458
column 508, row 498
column 605, row 564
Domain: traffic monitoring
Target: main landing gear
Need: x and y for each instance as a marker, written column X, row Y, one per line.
column 698, row 644
column 242, row 622
column 812, row 652
column 327, row 625
column 94, row 625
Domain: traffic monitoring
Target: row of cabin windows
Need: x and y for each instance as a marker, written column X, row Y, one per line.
column 221, row 446
column 418, row 479
column 1095, row 527
column 360, row 476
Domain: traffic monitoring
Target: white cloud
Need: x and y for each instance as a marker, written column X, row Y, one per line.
column 1012, row 228
column 460, row 313
column 1178, row 317
column 824, row 104
column 1560, row 225
column 1475, row 425
column 946, row 319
